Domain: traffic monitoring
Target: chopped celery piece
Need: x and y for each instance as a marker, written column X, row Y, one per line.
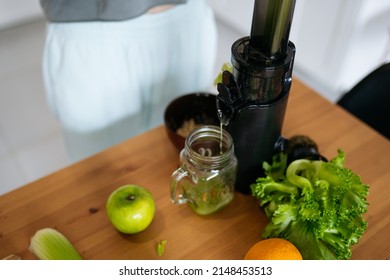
column 49, row 244
column 161, row 247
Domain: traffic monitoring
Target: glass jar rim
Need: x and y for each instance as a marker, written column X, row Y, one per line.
column 213, row 132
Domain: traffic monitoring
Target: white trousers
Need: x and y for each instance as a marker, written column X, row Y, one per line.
column 108, row 81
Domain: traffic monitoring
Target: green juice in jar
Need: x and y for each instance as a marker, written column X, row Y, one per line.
column 209, row 195
column 206, row 177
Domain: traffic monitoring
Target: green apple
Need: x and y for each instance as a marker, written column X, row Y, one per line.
column 130, row 208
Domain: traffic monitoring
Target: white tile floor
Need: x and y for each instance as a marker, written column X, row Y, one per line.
column 31, row 145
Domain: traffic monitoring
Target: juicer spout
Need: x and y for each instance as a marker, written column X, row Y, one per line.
column 229, row 99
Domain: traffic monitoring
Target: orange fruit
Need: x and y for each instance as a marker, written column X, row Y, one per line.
column 273, row 249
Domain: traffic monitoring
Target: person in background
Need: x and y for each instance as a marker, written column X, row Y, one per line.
column 111, row 67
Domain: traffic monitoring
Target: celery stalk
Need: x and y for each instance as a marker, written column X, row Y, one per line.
column 225, row 67
column 49, row 244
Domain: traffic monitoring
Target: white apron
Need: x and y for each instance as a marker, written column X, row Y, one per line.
column 109, row 81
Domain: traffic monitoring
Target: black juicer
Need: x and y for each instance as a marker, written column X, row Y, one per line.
column 252, row 100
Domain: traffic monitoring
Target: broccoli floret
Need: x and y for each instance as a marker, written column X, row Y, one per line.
column 315, row 204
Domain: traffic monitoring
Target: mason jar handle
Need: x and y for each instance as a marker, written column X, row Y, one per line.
column 177, row 195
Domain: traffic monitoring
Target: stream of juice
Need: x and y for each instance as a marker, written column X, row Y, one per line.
column 220, row 139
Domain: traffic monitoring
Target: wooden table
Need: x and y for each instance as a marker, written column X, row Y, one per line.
column 73, row 199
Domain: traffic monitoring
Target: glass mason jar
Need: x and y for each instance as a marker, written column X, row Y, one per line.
column 206, row 177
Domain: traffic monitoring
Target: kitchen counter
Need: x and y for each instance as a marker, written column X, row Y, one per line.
column 73, row 199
